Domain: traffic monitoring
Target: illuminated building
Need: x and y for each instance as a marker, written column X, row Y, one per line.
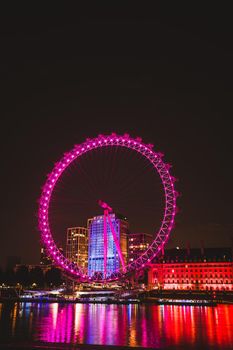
column 195, row 269
column 96, row 243
column 44, row 259
column 138, row 243
column 77, row 245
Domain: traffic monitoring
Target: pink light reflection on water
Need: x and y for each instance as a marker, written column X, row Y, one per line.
column 132, row 325
column 136, row 325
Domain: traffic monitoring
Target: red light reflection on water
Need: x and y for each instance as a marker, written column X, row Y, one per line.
column 132, row 325
column 139, row 325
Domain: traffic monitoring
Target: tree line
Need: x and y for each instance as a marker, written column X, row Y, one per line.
column 31, row 277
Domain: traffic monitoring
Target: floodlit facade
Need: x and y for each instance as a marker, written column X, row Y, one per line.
column 96, row 244
column 208, row 269
column 77, row 246
column 138, row 243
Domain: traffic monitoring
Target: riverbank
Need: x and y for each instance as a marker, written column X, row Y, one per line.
column 175, row 297
column 156, row 301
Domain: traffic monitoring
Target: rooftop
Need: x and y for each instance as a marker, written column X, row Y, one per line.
column 196, row 254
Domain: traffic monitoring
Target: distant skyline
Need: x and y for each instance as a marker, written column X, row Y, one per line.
column 167, row 79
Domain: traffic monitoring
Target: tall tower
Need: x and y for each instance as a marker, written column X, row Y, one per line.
column 97, row 250
column 77, row 246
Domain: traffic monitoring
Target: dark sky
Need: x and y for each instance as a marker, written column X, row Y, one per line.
column 164, row 75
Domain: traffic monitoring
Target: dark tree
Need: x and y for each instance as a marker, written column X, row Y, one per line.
column 22, row 276
column 53, row 277
column 9, row 277
column 37, row 276
column 142, row 276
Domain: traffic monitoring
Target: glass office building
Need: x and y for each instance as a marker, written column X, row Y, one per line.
column 96, row 244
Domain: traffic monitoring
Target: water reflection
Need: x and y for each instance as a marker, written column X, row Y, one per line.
column 132, row 325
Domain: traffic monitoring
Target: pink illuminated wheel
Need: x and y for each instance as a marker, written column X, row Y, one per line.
column 170, row 196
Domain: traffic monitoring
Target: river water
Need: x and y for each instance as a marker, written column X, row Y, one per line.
column 157, row 326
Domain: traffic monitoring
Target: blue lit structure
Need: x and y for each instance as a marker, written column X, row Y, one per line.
column 96, row 244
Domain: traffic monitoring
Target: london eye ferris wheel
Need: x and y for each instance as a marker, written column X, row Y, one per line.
column 161, row 235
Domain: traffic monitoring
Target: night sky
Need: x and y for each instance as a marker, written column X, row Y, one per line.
column 165, row 76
